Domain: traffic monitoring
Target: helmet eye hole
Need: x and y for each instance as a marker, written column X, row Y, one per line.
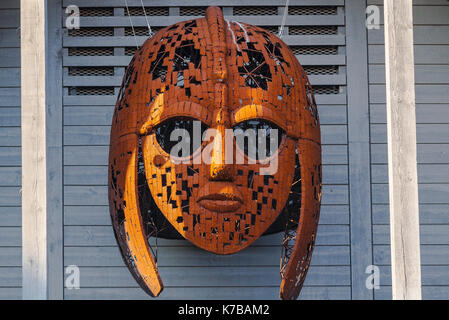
column 179, row 129
column 258, row 138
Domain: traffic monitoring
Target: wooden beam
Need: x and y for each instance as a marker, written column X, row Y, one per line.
column 34, row 173
column 402, row 168
column 358, row 148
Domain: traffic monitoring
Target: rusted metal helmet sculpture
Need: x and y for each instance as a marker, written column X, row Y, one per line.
column 228, row 77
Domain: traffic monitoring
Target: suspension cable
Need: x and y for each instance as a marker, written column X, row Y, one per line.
column 284, row 17
column 150, row 33
column 131, row 22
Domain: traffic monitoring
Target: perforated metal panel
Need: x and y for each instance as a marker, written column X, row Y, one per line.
column 149, row 11
column 91, row 71
column 312, row 30
column 92, row 32
column 96, row 12
column 312, row 11
column 255, row 11
column 91, row 51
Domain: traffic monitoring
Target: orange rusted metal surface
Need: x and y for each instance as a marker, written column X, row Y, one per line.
column 228, row 75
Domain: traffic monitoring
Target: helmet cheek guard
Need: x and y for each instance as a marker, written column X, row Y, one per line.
column 225, row 76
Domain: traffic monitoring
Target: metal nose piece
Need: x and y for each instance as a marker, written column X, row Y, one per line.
column 219, row 169
column 221, row 173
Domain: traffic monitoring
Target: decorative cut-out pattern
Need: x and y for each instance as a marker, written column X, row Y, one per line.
column 228, row 75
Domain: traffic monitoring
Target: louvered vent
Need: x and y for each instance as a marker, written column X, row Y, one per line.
column 192, row 11
column 92, row 32
column 91, row 51
column 315, row 64
column 321, row 70
column 149, row 11
column 91, row 91
column 312, row 30
column 314, row 50
column 96, row 12
column 255, row 11
column 326, row 90
column 130, row 51
column 91, row 71
column 311, row 11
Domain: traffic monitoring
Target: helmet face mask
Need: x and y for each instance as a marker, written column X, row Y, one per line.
column 225, row 91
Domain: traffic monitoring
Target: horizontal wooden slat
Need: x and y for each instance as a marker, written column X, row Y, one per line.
column 11, row 293
column 425, row 113
column 424, row 54
column 9, row 18
column 427, row 173
column 427, row 153
column 10, row 176
column 86, row 155
column 424, row 93
column 425, row 133
column 10, row 236
column 424, row 74
column 9, row 196
column 10, row 216
column 190, row 256
column 428, row 214
column 430, row 254
column 428, row 193
column 9, row 38
column 230, row 293
column 420, row 35
column 9, row 77
column 10, row 256
column 10, row 136
column 211, row 276
column 429, row 234
column 428, row 293
column 9, row 4
column 10, row 117
column 103, row 236
column 426, row 14
column 430, row 275
column 10, row 276
column 415, row 2
column 10, row 57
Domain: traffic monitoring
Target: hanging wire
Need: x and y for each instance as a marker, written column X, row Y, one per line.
column 150, row 33
column 284, row 17
column 132, row 26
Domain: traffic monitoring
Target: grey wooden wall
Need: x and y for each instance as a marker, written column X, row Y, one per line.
column 10, row 156
column 431, row 37
column 330, row 40
column 316, row 34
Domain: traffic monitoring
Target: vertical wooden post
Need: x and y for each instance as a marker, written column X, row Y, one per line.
column 358, row 148
column 34, row 175
column 402, row 167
